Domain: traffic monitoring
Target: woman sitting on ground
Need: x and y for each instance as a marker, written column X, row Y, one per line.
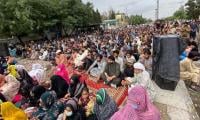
column 10, row 112
column 62, row 72
column 76, row 87
column 104, row 106
column 49, row 108
column 138, row 107
column 37, row 73
column 71, row 111
column 59, row 85
column 9, row 86
column 86, row 102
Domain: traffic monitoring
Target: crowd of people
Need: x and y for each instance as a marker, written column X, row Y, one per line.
column 119, row 57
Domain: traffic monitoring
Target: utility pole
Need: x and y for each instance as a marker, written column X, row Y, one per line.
column 157, row 10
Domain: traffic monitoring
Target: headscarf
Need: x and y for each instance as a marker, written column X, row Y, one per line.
column 13, row 70
column 62, row 71
column 51, row 108
column 105, row 106
column 36, row 93
column 37, row 72
column 20, row 67
column 138, row 107
column 139, row 66
column 145, row 80
column 59, row 85
column 48, row 99
column 100, row 97
column 10, row 88
column 76, row 87
column 25, row 78
column 10, row 112
column 72, row 104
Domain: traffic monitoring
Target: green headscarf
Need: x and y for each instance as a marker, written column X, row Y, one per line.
column 100, row 96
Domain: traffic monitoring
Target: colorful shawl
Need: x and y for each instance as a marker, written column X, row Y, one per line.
column 62, row 71
column 138, row 107
column 105, row 106
column 10, row 112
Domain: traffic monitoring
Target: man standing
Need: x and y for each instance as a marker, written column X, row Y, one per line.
column 146, row 60
column 194, row 30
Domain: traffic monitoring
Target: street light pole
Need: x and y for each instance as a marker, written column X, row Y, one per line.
column 157, row 10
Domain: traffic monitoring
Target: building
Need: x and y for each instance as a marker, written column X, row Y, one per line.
column 110, row 24
column 122, row 19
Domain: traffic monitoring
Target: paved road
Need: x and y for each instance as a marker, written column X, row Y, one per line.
column 196, row 100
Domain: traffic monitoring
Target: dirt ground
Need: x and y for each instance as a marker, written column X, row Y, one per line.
column 196, row 100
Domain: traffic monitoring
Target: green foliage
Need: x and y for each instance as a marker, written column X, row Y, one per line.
column 193, row 9
column 15, row 17
column 136, row 20
column 22, row 17
column 111, row 14
column 180, row 14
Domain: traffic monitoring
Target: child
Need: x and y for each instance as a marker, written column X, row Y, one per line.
column 86, row 101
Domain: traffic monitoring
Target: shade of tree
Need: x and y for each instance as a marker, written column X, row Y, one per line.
column 22, row 17
column 15, row 18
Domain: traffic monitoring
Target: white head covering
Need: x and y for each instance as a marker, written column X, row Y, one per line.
column 36, row 66
column 37, row 72
column 139, row 66
column 58, row 51
column 20, row 67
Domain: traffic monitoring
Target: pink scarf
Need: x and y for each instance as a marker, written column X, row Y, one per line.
column 138, row 107
column 62, row 71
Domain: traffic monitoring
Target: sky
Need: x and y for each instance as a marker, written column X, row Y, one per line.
column 145, row 8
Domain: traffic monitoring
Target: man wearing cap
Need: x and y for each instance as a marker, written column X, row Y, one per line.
column 142, row 78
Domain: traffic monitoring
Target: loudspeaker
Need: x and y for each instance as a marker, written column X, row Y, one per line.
column 4, row 49
column 166, row 67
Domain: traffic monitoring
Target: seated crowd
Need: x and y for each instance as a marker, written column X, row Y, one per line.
column 121, row 58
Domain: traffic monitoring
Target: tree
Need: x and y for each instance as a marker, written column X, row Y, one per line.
column 111, row 14
column 43, row 13
column 22, row 17
column 193, row 9
column 180, row 14
column 136, row 20
column 97, row 17
column 15, row 18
